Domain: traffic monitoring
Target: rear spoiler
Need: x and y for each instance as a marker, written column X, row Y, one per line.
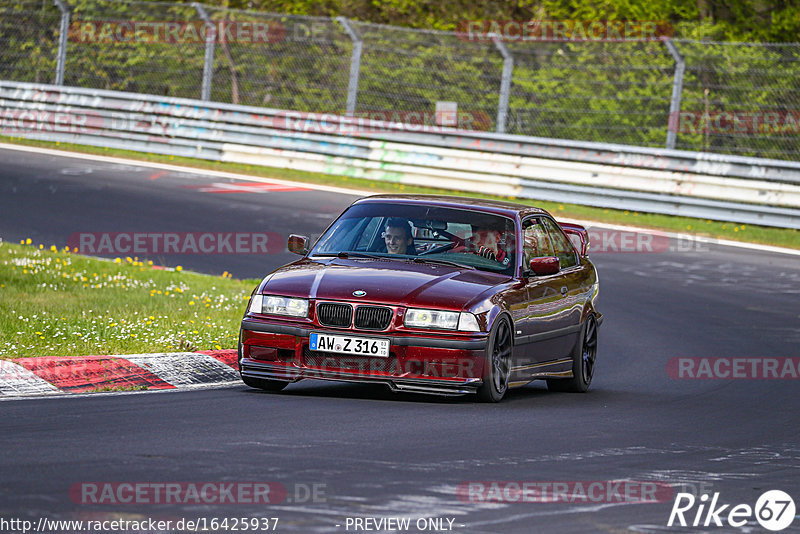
column 577, row 230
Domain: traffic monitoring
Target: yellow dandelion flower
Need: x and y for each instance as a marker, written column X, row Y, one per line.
column 179, row 268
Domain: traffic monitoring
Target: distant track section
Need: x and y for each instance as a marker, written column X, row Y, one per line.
column 711, row 186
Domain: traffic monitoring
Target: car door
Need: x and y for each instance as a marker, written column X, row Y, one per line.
column 570, row 282
column 546, row 327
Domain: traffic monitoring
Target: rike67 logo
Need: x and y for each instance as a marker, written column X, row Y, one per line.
column 774, row 510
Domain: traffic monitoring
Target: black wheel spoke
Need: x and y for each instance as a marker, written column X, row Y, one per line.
column 501, row 354
column 505, row 339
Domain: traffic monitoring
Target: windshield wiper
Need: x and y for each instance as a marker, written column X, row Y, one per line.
column 345, row 255
column 417, row 259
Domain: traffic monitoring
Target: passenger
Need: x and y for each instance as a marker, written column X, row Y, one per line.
column 398, row 236
column 487, row 243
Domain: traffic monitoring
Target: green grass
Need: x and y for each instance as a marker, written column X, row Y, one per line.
column 106, row 389
column 731, row 230
column 55, row 303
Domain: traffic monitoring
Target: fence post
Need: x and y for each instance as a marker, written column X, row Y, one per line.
column 505, row 82
column 355, row 65
column 62, row 41
column 673, row 123
column 208, row 60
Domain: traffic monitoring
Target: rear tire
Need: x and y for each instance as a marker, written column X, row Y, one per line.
column 498, row 362
column 259, row 383
column 583, row 362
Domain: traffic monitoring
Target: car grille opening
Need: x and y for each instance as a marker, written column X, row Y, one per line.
column 333, row 314
column 331, row 361
column 270, row 354
column 373, row 317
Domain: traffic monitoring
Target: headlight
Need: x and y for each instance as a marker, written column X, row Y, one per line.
column 444, row 320
column 279, row 305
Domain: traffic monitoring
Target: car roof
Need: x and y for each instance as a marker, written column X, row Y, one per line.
column 499, row 207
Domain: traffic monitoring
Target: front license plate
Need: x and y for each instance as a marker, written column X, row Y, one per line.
column 361, row 346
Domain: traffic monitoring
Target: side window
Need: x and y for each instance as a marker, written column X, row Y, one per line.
column 536, row 241
column 563, row 247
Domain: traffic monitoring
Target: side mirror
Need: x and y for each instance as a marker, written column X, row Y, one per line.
column 298, row 244
column 545, row 265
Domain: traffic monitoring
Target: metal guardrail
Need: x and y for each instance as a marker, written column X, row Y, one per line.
column 644, row 88
column 712, row 186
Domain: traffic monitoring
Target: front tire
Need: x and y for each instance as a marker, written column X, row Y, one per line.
column 498, row 362
column 258, row 383
column 265, row 384
column 583, row 362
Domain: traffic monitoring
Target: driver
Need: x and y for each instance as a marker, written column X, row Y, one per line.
column 398, row 236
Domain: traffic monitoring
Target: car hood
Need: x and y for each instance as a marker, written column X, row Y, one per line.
column 384, row 281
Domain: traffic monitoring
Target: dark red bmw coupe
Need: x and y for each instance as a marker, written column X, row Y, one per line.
column 429, row 294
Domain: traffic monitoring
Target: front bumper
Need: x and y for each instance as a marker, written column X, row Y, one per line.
column 434, row 364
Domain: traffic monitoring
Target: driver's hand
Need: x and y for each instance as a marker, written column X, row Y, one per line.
column 486, row 253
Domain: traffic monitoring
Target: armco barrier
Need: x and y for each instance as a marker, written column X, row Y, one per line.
column 747, row 190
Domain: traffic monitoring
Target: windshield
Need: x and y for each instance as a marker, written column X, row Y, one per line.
column 423, row 233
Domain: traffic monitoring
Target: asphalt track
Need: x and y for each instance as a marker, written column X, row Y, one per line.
column 375, row 454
